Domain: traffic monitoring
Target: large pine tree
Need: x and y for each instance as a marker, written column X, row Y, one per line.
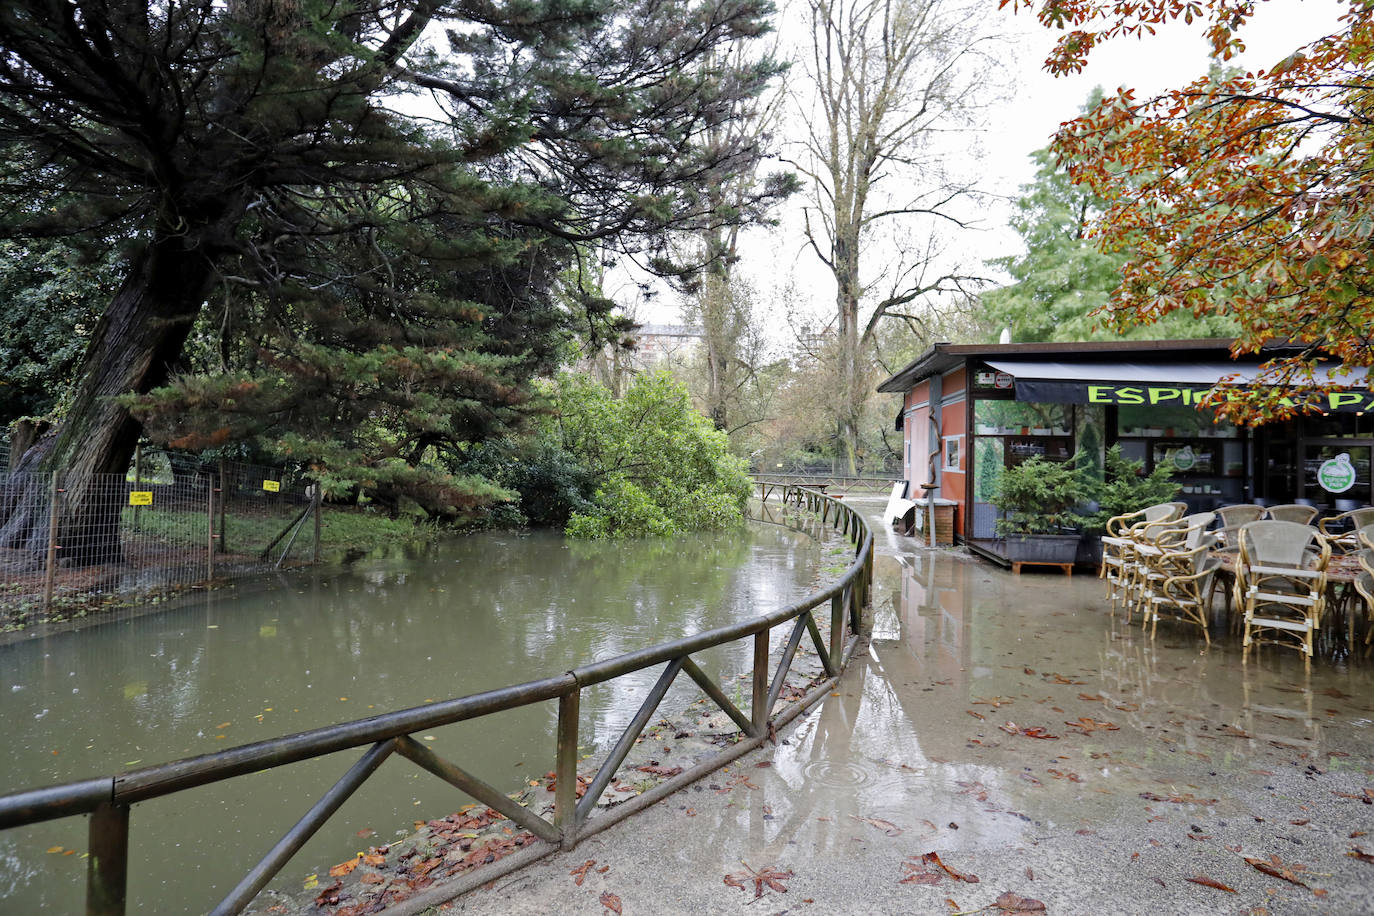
column 372, row 196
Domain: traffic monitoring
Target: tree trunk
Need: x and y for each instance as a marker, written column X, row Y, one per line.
column 132, row 350
column 847, row 307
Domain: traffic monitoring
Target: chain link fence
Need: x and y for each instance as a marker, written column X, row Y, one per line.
column 173, row 522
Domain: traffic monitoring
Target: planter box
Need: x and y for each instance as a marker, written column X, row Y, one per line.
column 1043, row 550
column 1089, row 550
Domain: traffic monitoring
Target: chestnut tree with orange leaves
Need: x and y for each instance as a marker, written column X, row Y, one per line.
column 1243, row 194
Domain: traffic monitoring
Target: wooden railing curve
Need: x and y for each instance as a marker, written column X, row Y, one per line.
column 108, row 800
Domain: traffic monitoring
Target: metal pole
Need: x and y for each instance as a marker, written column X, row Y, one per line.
column 138, row 480
column 316, row 496
column 107, row 870
column 49, row 574
column 565, row 769
column 222, row 503
column 210, row 528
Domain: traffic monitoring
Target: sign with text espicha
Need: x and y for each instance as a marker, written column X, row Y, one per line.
column 1077, row 392
column 272, row 486
column 140, row 497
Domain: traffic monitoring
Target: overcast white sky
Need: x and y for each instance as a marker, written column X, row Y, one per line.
column 1024, row 122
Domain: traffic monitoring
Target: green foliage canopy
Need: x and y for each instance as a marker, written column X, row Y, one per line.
column 1065, row 279
column 659, row 466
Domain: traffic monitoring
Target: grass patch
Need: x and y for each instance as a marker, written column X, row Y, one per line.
column 342, row 529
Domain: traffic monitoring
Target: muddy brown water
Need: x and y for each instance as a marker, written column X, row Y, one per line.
column 474, row 613
column 1201, row 744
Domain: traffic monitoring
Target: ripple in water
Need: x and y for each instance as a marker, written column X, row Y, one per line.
column 836, row 775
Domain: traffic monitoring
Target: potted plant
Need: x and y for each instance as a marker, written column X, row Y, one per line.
column 1124, row 488
column 1039, row 502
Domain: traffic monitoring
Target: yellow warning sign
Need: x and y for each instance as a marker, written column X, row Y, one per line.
column 140, row 497
column 272, row 486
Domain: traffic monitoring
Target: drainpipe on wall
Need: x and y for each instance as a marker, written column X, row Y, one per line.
column 937, row 395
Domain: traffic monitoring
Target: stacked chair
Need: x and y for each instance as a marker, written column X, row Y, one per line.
column 1364, row 582
column 1174, row 570
column 1335, row 528
column 1292, row 512
column 1119, row 548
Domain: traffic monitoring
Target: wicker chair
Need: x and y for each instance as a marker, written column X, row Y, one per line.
column 1118, row 546
column 1292, row 512
column 1185, row 595
column 1160, row 550
column 1281, row 583
column 1232, row 517
column 1364, row 584
column 1341, row 530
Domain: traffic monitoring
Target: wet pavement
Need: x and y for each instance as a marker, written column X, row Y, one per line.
column 1040, row 749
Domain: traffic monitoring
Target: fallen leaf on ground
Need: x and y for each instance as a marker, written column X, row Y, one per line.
column 330, row 895
column 657, row 770
column 932, row 858
column 1008, row 902
column 1358, row 853
column 1087, row 724
column 343, row 868
column 768, row 876
column 976, row 715
column 1185, row 798
column 1209, row 882
column 887, row 827
column 610, row 901
column 1035, row 731
column 580, row 872
column 1274, row 869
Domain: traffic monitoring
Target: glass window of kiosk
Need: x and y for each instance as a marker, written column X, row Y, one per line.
column 1207, row 457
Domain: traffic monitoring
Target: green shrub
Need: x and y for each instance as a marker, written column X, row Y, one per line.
column 1041, row 497
column 658, row 464
column 1125, row 488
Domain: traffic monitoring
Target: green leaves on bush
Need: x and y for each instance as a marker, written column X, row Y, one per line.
column 1045, row 497
column 658, row 465
column 1127, row 489
column 1041, row 497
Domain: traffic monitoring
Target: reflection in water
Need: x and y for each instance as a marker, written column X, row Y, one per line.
column 477, row 612
column 931, row 732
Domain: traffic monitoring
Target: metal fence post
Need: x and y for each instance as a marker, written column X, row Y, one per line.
column 50, row 573
column 223, row 506
column 565, row 768
column 210, row 527
column 315, row 495
column 138, row 480
column 107, row 870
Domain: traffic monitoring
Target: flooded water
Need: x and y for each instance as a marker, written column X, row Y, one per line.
column 475, row 613
column 1012, row 726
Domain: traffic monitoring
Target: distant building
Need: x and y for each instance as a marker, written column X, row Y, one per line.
column 657, row 344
